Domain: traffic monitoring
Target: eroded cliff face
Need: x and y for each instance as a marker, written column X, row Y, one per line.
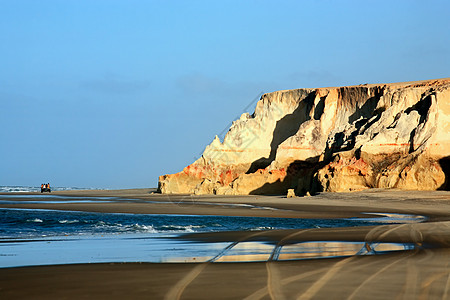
column 330, row 139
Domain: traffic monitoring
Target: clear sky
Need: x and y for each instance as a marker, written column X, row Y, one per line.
column 112, row 94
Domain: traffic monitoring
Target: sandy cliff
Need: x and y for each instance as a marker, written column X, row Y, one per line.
column 330, row 139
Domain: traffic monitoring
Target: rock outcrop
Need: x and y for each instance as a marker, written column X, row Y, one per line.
column 330, row 139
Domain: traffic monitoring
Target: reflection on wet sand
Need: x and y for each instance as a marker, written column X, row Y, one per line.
column 252, row 251
column 247, row 252
column 260, row 252
column 335, row 249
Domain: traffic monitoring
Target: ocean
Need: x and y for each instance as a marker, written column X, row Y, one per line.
column 29, row 189
column 36, row 224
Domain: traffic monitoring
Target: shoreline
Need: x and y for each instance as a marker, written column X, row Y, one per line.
column 433, row 204
column 420, row 273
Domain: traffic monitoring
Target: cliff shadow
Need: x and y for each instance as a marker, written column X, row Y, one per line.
column 300, row 176
column 367, row 110
column 422, row 107
column 284, row 129
column 367, row 115
column 361, row 120
column 445, row 165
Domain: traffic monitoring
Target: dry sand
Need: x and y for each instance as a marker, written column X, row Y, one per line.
column 423, row 273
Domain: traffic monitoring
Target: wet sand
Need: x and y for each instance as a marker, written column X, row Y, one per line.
column 409, row 275
column 435, row 204
column 423, row 273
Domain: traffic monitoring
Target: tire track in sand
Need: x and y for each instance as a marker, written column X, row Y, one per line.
column 177, row 290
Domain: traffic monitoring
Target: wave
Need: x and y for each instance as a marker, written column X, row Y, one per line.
column 142, row 228
column 122, row 228
column 68, row 221
column 19, row 189
column 262, row 228
column 36, row 220
column 181, row 228
column 32, row 189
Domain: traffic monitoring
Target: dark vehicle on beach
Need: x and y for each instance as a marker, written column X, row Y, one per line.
column 45, row 188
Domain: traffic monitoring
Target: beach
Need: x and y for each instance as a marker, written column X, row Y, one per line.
column 422, row 272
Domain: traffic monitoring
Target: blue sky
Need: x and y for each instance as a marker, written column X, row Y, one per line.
column 112, row 94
